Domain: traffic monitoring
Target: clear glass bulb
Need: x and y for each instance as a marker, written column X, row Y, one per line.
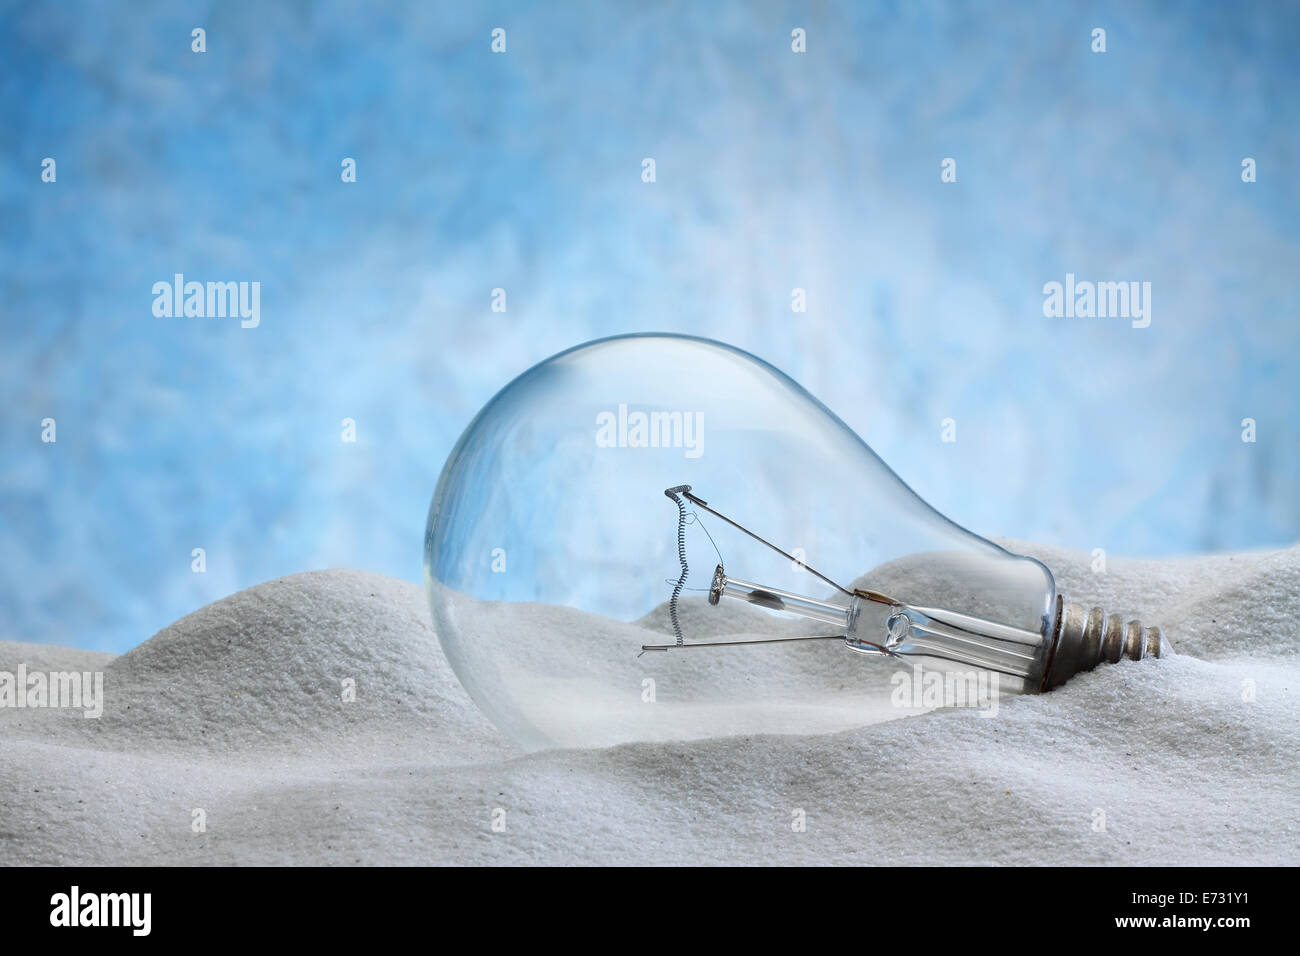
column 552, row 557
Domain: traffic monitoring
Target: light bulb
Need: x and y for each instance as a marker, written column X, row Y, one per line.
column 655, row 537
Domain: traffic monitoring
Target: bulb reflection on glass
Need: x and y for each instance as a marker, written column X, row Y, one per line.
column 660, row 537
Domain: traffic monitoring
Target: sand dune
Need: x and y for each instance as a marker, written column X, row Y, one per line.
column 237, row 711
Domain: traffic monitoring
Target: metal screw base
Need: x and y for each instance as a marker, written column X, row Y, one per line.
column 1085, row 639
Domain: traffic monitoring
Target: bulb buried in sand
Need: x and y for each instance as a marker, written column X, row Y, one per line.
column 550, row 567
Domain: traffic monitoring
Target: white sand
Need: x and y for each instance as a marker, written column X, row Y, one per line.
column 237, row 710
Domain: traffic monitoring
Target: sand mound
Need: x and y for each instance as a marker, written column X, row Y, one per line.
column 236, row 712
column 267, row 669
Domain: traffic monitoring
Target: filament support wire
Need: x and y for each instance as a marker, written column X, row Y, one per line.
column 675, row 495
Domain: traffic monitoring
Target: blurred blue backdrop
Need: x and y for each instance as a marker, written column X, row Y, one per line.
column 522, row 171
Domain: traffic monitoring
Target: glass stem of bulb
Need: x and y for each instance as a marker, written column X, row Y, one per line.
column 936, row 633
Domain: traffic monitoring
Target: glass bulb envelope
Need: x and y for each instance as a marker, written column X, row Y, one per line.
column 578, row 498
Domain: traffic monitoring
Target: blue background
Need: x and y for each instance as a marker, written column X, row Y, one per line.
column 523, row 171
